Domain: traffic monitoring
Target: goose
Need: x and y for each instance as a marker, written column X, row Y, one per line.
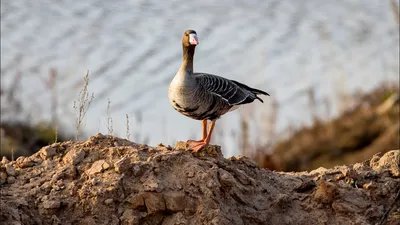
column 203, row 96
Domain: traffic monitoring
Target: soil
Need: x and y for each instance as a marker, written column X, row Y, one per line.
column 372, row 126
column 107, row 180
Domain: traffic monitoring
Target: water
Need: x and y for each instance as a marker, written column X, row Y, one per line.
column 133, row 49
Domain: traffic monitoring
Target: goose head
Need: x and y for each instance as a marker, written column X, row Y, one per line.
column 190, row 38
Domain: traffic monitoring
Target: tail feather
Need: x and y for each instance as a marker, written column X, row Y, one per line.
column 253, row 90
column 257, row 91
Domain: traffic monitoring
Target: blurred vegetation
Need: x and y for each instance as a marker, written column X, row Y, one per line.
column 24, row 139
column 18, row 136
column 370, row 127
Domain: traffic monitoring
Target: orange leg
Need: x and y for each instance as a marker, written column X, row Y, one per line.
column 197, row 147
column 204, row 133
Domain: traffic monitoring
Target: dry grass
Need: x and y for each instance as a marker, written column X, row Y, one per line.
column 128, row 134
column 109, row 119
column 395, row 9
column 82, row 105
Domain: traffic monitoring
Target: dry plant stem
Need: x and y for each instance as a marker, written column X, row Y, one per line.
column 395, row 9
column 84, row 102
column 128, row 135
column 109, row 119
column 52, row 85
column 56, row 133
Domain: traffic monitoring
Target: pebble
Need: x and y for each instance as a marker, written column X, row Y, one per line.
column 25, row 162
column 98, row 167
column 174, row 201
column 10, row 170
column 51, row 204
column 10, row 179
column 4, row 160
column 48, row 152
column 74, row 156
column 122, row 165
column 3, row 177
column 108, row 201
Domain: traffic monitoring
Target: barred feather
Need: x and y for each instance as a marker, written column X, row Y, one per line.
column 233, row 92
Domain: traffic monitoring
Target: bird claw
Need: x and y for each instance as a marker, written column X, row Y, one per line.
column 197, row 146
column 193, row 141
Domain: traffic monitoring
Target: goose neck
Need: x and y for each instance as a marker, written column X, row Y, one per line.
column 188, row 54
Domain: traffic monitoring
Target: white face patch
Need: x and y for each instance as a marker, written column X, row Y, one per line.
column 193, row 39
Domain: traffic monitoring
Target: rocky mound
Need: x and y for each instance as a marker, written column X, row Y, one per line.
column 107, row 180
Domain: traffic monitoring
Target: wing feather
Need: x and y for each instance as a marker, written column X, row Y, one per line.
column 233, row 92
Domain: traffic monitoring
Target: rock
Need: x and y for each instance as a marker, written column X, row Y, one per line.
column 390, row 161
column 150, row 184
column 136, row 200
column 10, row 170
column 51, row 204
column 122, row 165
column 174, row 201
column 23, row 162
column 210, row 150
column 10, row 179
column 154, row 202
column 28, row 162
column 55, row 220
column 326, row 192
column 108, row 201
column 129, row 217
column 226, row 178
column 74, row 156
column 4, row 160
column 47, row 152
column 3, row 177
column 106, row 165
column 176, row 218
column 98, row 167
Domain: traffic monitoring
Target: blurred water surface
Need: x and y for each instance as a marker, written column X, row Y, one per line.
column 133, row 49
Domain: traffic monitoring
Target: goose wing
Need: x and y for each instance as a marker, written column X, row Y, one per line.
column 235, row 93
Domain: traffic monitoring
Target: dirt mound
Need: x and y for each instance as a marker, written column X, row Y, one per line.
column 372, row 126
column 107, row 180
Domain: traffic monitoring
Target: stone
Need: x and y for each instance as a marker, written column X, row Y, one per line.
column 154, row 202
column 390, row 161
column 27, row 162
column 108, row 201
column 226, row 178
column 10, row 170
column 11, row 179
column 129, row 217
column 98, row 167
column 176, row 218
column 3, row 177
column 174, row 201
column 136, row 200
column 74, row 156
column 122, row 165
column 325, row 193
column 242, row 177
column 51, row 204
column 4, row 160
column 47, row 152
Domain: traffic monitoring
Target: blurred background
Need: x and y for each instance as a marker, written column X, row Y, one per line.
column 331, row 68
